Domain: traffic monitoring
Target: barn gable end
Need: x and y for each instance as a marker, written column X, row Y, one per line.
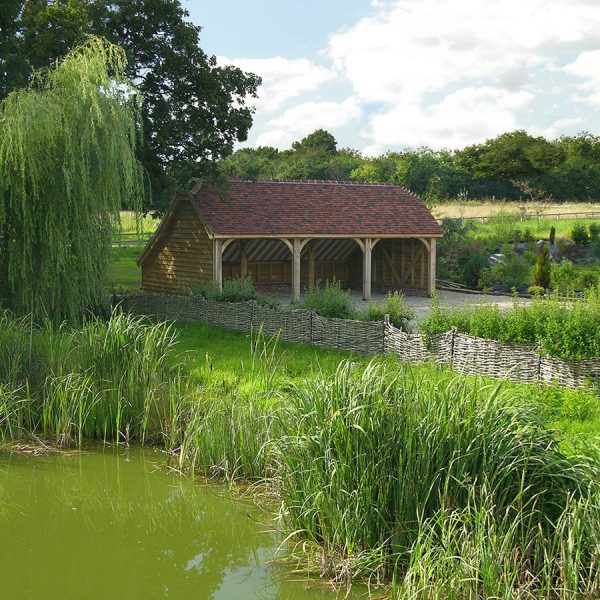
column 180, row 256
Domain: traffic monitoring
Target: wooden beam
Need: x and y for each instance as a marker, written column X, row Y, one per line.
column 218, row 262
column 390, row 261
column 296, row 250
column 312, row 251
column 432, row 262
column 367, row 256
column 243, row 258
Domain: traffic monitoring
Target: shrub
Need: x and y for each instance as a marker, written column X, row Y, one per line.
column 530, row 256
column 329, row 300
column 528, row 236
column 536, row 290
column 395, row 307
column 562, row 276
column 594, row 230
column 486, row 279
column 237, row 289
column 513, row 272
column 580, row 235
column 541, row 271
column 588, row 280
column 472, row 268
column 560, row 325
column 552, row 234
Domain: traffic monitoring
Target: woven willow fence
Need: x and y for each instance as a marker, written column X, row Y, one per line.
column 463, row 353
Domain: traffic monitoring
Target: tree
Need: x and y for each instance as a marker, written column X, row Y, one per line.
column 194, row 110
column 317, row 141
column 541, row 270
column 67, row 163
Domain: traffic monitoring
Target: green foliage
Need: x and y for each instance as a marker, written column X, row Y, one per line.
column 472, row 268
column 560, row 325
column 588, row 279
column 395, row 307
column 329, row 300
column 236, row 289
column 594, row 230
column 512, row 272
column 580, row 234
column 194, row 111
column 541, row 271
column 67, row 163
column 552, row 235
column 562, row 276
column 474, row 473
column 536, row 290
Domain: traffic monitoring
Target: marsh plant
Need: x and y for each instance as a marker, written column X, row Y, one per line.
column 449, row 487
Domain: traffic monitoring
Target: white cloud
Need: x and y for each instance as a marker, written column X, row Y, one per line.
column 298, row 121
column 460, row 118
column 420, row 46
column 587, row 66
column 283, row 78
column 446, row 73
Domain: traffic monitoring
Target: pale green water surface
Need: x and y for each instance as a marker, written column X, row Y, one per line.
column 114, row 524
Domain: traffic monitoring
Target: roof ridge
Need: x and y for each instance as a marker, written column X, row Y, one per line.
column 326, row 182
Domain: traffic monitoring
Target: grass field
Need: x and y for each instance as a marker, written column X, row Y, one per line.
column 126, row 276
column 476, row 208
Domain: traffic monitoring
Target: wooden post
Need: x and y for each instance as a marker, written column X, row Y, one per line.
column 296, row 250
column 311, row 264
column 432, row 258
column 243, row 259
column 218, row 262
column 367, row 268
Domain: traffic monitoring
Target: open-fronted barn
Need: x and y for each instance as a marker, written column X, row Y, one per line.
column 289, row 234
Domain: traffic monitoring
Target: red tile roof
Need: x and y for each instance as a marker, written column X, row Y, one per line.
column 269, row 208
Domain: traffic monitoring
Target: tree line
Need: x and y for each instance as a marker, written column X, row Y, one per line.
column 512, row 166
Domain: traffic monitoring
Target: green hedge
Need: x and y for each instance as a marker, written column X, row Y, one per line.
column 563, row 326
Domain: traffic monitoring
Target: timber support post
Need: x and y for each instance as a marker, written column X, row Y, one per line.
column 243, row 259
column 296, row 250
column 367, row 255
column 432, row 259
column 218, row 262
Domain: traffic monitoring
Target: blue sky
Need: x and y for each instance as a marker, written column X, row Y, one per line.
column 390, row 74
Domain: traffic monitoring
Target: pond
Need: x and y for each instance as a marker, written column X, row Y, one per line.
column 115, row 524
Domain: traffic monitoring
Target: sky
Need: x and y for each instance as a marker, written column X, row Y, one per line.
column 391, row 74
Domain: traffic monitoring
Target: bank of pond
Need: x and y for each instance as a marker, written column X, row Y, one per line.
column 413, row 480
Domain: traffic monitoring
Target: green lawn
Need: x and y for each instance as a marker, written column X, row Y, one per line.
column 225, row 359
column 126, row 276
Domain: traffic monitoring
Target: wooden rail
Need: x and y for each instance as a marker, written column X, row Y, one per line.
column 589, row 214
column 124, row 239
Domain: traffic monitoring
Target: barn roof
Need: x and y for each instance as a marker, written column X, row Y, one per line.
column 268, row 208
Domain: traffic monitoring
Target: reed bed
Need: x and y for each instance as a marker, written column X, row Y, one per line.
column 450, row 488
column 436, row 485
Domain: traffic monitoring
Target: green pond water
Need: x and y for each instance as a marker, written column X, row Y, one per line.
column 114, row 524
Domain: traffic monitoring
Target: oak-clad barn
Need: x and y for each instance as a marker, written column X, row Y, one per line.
column 289, row 234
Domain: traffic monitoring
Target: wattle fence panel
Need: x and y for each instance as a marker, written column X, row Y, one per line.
column 463, row 353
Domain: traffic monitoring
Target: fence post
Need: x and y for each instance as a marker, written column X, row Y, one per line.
column 386, row 322
column 539, row 365
column 312, row 317
column 452, row 336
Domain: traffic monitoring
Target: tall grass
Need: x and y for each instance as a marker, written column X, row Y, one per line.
column 446, row 486
column 449, row 487
column 99, row 382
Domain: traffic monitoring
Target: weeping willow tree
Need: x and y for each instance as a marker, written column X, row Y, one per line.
column 67, row 163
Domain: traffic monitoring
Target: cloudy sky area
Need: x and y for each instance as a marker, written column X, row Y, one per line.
column 390, row 74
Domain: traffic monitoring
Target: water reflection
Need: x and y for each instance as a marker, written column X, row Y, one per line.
column 111, row 524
